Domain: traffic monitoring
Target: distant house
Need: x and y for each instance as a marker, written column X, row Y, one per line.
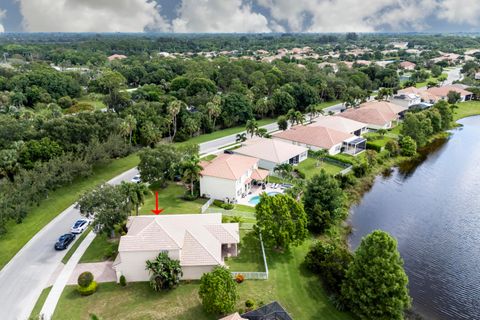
column 406, row 99
column 318, row 138
column 271, row 311
column 116, row 57
column 477, row 76
column 424, row 95
column 407, row 65
column 340, row 124
column 199, row 241
column 229, row 177
column 376, row 114
column 271, row 152
column 442, row 92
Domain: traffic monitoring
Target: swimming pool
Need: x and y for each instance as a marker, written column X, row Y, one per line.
column 256, row 199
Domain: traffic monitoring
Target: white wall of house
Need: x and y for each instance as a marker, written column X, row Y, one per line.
column 195, row 272
column 218, row 188
column 387, row 125
column 270, row 165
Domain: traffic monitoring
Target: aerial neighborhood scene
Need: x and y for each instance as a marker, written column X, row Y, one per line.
column 230, row 160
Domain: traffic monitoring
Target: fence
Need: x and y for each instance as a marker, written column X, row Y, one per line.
column 206, row 205
column 256, row 275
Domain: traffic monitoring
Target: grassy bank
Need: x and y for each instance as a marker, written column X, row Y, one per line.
column 467, row 109
column 19, row 234
column 41, row 300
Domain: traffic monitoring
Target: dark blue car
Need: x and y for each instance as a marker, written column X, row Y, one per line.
column 64, row 241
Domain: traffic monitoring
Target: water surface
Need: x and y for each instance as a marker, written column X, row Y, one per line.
column 432, row 207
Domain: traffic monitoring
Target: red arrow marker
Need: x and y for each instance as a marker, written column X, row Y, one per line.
column 156, row 211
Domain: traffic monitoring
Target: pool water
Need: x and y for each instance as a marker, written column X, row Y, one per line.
column 256, row 199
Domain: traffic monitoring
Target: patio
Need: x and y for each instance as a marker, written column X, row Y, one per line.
column 252, row 198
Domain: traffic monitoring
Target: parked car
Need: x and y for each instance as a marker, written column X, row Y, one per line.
column 79, row 226
column 228, row 151
column 64, row 241
column 136, row 179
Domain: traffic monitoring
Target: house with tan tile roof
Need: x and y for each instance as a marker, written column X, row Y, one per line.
column 319, row 138
column 199, row 241
column 272, row 152
column 116, row 57
column 442, row 92
column 376, row 114
column 229, row 177
column 407, row 65
column 340, row 124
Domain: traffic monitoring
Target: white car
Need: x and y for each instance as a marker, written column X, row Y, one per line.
column 80, row 225
column 136, row 179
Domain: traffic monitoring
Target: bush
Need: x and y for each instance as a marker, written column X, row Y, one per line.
column 123, row 281
column 90, row 289
column 249, row 303
column 80, row 107
column 85, row 279
column 239, row 278
column 408, row 146
column 223, row 205
column 187, row 196
column 393, row 148
column 374, row 146
column 299, row 173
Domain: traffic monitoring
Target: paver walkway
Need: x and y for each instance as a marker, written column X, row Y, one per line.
column 102, row 272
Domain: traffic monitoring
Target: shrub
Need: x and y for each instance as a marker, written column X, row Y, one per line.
column 393, row 147
column 223, row 205
column 123, row 281
column 374, row 146
column 249, row 304
column 239, row 278
column 80, row 107
column 408, row 146
column 85, row 279
column 228, row 206
column 90, row 289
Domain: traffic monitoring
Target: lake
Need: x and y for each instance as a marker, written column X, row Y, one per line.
column 432, row 208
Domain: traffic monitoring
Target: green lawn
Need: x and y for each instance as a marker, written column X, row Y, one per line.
column 98, row 104
column 466, row 109
column 225, row 132
column 19, row 234
column 171, row 200
column 73, row 248
column 378, row 139
column 250, row 257
column 299, row 291
column 309, row 167
column 102, row 248
column 326, row 104
column 39, row 304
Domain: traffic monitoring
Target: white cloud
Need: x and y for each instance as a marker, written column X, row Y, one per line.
column 350, row 15
column 3, row 14
column 461, row 11
column 219, row 16
column 91, row 15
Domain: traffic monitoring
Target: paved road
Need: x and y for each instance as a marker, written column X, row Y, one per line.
column 26, row 275
column 453, row 75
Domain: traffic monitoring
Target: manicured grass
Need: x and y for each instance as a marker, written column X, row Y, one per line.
column 19, row 234
column 98, row 104
column 170, row 199
column 39, row 304
column 75, row 245
column 210, row 157
column 309, row 167
column 378, row 139
column 466, row 109
column 250, row 257
column 101, row 249
column 326, row 104
column 225, row 132
column 299, row 291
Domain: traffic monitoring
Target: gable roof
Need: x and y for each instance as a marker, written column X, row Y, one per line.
column 199, row 237
column 315, row 136
column 228, row 166
column 374, row 112
column 338, row 123
column 271, row 150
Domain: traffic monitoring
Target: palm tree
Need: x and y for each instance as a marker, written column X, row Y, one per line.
column 312, row 111
column 214, row 109
column 165, row 272
column 135, row 193
column 284, row 170
column 127, row 127
column 173, row 110
column 191, row 171
column 251, row 127
column 319, row 156
column 241, row 137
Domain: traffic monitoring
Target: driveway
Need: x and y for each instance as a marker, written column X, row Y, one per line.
column 102, row 272
column 27, row 274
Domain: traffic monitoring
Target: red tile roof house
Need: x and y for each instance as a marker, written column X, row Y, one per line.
column 376, row 114
column 442, row 92
column 407, row 65
column 322, row 138
column 199, row 241
column 229, row 177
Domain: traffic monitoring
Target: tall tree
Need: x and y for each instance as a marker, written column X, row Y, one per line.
column 173, row 110
column 281, row 220
column 135, row 193
column 191, row 171
column 251, row 127
column 376, row 286
column 128, row 125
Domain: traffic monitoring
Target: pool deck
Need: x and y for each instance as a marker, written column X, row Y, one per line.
column 256, row 191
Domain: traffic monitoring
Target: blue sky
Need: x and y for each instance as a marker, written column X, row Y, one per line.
column 239, row 15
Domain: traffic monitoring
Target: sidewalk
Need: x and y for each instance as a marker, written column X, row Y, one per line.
column 57, row 289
